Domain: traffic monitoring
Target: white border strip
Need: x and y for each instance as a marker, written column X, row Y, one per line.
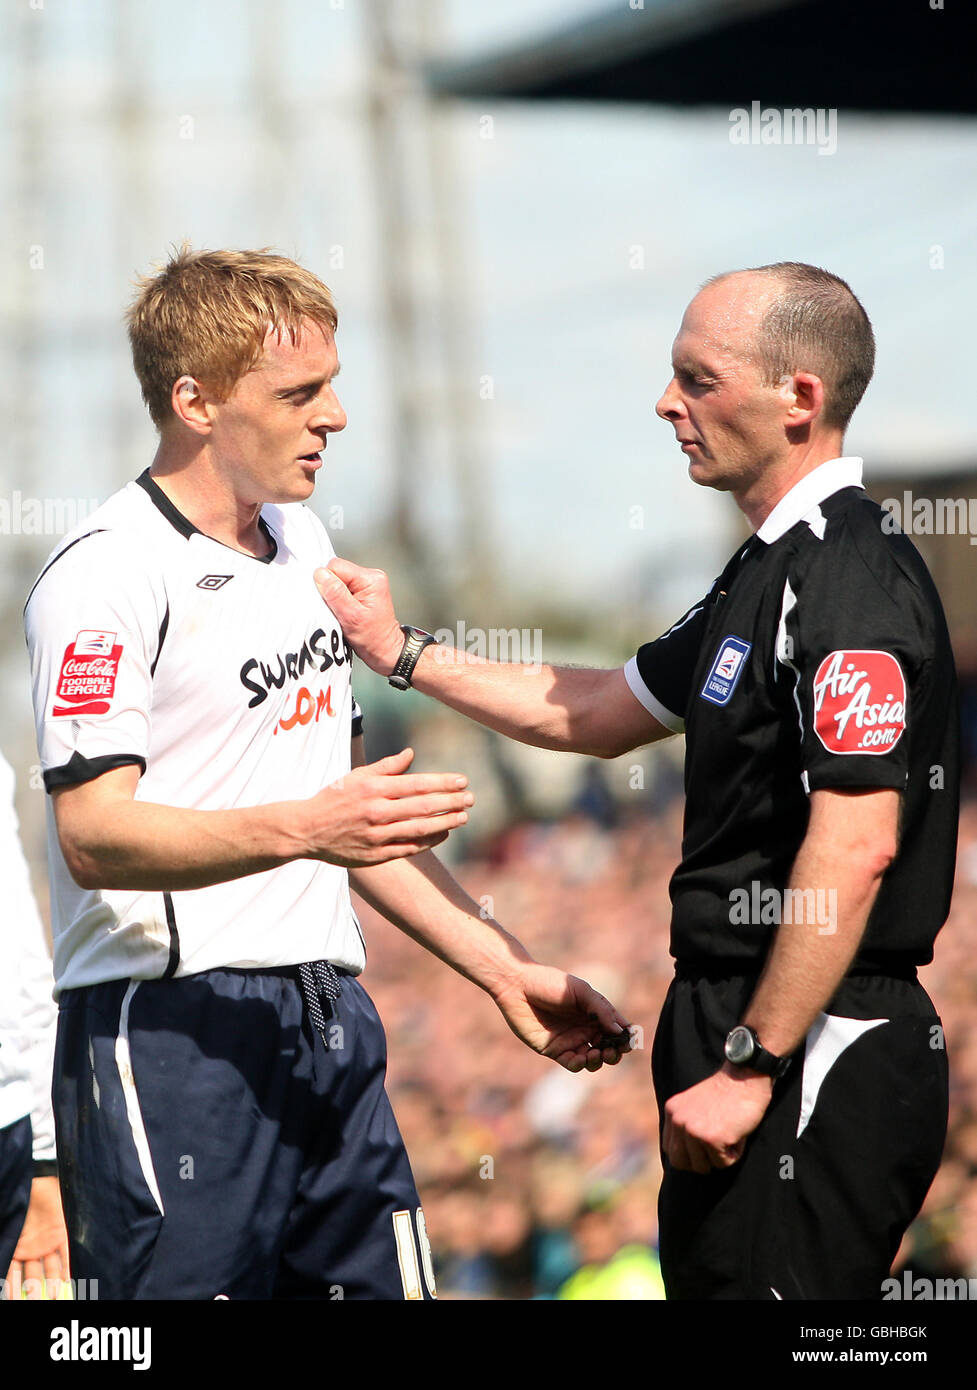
column 124, row 1063
column 644, row 696
column 828, row 1037
column 410, row 1274
column 788, row 603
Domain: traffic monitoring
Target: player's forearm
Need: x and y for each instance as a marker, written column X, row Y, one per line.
column 420, row 897
column 152, row 848
column 809, row 958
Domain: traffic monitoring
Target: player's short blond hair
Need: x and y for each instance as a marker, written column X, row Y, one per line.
column 206, row 314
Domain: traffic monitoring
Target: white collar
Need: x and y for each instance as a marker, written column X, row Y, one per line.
column 806, row 495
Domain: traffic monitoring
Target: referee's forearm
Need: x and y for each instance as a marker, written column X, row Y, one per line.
column 809, row 959
column 546, row 706
column 850, row 842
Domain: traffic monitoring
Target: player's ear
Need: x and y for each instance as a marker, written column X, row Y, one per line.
column 189, row 402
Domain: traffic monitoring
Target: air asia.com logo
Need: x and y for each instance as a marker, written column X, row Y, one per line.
column 88, row 673
column 859, row 702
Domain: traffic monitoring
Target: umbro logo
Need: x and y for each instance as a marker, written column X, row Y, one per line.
column 213, row 581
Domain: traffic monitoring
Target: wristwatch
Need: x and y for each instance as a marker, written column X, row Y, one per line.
column 415, row 640
column 744, row 1049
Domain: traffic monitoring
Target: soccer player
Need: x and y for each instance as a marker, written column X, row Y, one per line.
column 222, row 1124
column 799, row 1065
column 33, row 1243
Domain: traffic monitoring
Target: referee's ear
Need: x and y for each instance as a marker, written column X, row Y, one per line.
column 803, row 397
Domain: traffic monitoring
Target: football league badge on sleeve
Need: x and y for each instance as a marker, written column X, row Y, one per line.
column 88, row 673
column 725, row 670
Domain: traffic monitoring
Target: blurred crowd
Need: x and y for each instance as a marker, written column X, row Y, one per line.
column 541, row 1184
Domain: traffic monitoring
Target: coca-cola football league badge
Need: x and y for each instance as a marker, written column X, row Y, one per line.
column 88, row 674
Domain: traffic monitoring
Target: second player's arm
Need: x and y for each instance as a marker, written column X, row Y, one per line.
column 555, row 1014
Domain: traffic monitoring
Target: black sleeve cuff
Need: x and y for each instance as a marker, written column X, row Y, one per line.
column 45, row 1168
column 79, row 769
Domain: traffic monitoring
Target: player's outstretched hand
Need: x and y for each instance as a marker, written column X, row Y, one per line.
column 562, row 1017
column 377, row 812
column 361, row 603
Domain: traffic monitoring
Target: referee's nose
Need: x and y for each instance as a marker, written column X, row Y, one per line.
column 671, row 406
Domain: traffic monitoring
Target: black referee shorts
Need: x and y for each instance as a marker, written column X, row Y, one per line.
column 838, row 1168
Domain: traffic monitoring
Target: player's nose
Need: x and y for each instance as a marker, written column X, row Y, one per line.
column 331, row 416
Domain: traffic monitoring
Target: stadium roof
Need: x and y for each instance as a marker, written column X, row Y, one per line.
column 867, row 55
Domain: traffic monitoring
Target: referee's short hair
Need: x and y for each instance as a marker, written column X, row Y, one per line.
column 814, row 324
column 206, row 314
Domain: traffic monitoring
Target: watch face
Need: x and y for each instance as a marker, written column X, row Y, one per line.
column 739, row 1046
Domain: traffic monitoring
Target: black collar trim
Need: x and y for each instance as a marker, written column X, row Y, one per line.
column 186, row 527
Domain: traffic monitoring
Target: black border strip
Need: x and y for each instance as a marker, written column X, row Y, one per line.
column 164, row 625
column 186, row 527
column 97, row 532
column 162, row 503
column 81, row 769
column 174, row 958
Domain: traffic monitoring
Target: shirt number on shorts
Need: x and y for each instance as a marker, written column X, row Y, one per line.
column 410, row 1270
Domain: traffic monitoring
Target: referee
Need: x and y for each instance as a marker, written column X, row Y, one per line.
column 799, row 1065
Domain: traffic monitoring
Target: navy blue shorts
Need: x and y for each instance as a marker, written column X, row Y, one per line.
column 211, row 1144
column 16, row 1172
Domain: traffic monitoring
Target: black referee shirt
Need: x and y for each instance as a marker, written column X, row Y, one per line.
column 819, row 658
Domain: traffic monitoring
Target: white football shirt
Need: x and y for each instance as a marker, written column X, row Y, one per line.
column 226, row 679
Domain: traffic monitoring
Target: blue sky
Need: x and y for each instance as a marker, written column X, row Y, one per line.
column 555, row 211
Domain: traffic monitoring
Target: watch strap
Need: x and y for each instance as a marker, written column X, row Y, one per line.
column 415, row 640
column 761, row 1060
